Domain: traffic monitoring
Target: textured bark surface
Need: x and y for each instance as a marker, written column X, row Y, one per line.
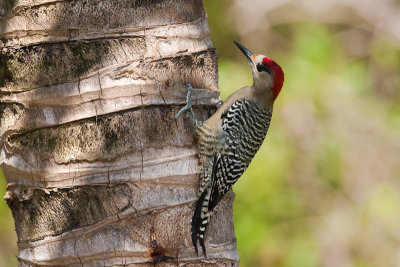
column 97, row 172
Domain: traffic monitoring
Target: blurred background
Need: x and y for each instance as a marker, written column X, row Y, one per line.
column 8, row 236
column 324, row 190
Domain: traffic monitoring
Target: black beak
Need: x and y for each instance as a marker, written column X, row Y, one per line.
column 245, row 51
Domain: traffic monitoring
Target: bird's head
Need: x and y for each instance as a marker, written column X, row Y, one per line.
column 267, row 74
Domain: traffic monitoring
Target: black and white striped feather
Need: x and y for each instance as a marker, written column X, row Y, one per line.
column 244, row 127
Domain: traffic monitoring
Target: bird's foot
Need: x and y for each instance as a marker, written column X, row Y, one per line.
column 188, row 104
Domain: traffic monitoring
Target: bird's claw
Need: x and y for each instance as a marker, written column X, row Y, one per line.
column 188, row 105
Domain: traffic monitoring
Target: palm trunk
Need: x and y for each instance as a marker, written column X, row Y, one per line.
column 97, row 173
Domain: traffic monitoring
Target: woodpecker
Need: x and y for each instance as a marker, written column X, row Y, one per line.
column 230, row 138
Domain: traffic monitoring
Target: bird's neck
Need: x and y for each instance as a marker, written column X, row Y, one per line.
column 263, row 94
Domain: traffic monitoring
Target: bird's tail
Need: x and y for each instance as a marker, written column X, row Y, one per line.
column 201, row 217
column 208, row 200
column 200, row 220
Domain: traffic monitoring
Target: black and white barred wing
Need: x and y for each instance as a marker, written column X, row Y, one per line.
column 245, row 126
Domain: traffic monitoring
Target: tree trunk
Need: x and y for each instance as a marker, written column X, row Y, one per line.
column 97, row 173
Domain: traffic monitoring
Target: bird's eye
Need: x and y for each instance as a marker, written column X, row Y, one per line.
column 262, row 67
column 259, row 67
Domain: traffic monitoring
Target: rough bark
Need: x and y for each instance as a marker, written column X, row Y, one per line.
column 97, row 173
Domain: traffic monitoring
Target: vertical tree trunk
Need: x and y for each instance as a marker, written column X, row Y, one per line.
column 97, row 173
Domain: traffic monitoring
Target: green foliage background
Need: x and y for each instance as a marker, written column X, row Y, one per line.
column 8, row 237
column 324, row 189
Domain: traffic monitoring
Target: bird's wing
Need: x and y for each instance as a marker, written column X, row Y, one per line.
column 244, row 127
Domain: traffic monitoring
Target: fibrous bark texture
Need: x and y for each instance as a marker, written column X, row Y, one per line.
column 97, row 172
